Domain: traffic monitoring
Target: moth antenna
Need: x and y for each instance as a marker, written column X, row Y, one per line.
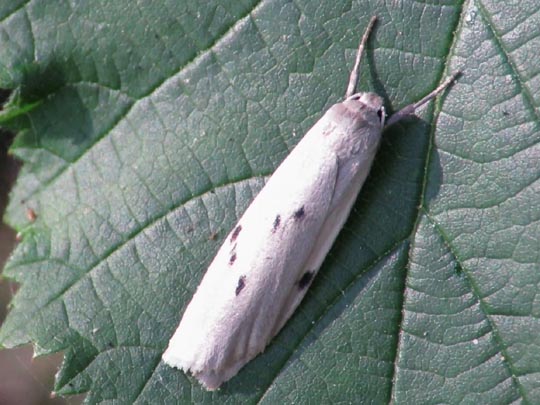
column 353, row 78
column 411, row 108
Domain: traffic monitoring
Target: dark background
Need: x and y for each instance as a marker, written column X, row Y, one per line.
column 23, row 380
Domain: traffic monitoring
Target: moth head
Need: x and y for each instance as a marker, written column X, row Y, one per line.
column 368, row 104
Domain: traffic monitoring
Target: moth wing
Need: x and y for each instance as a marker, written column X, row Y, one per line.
column 350, row 179
column 327, row 236
column 240, row 302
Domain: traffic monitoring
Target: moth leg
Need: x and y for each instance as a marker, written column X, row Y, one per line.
column 411, row 108
column 353, row 78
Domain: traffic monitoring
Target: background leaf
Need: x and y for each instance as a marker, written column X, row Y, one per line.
column 145, row 130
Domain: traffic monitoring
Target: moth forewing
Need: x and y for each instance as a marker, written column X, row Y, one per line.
column 235, row 310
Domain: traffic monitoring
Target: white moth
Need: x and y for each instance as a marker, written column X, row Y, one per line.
column 262, row 271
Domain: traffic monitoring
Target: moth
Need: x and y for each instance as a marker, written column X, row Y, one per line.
column 264, row 267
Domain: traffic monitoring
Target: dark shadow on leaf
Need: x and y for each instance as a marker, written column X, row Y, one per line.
column 42, row 80
column 435, row 178
column 65, row 125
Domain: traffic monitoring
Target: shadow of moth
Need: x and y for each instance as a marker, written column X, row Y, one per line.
column 263, row 269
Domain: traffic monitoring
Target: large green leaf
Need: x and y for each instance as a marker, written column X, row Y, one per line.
column 146, row 128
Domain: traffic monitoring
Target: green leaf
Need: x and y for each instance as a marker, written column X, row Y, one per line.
column 153, row 126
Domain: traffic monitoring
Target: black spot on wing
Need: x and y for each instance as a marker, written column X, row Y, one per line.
column 235, row 233
column 241, row 285
column 276, row 224
column 306, row 279
column 299, row 213
column 232, row 259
